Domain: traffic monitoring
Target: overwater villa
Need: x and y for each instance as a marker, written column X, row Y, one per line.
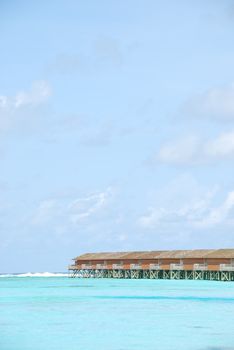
column 207, row 264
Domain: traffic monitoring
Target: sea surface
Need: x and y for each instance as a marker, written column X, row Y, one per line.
column 54, row 312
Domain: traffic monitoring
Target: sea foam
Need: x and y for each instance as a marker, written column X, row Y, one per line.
column 35, row 274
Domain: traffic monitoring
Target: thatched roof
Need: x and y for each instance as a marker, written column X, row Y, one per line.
column 168, row 254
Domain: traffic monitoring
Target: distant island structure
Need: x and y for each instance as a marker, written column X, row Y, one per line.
column 203, row 264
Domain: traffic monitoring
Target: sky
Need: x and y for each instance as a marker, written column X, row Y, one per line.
column 116, row 128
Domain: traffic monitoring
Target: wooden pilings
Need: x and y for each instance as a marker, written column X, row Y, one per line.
column 154, row 274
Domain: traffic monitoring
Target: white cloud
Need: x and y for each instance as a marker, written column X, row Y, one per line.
column 219, row 214
column 189, row 212
column 180, row 152
column 3, row 102
column 83, row 208
column 11, row 107
column 192, row 150
column 199, row 213
column 71, row 211
column 222, row 146
column 215, row 103
column 38, row 94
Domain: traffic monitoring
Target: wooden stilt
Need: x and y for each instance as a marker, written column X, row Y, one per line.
column 224, row 276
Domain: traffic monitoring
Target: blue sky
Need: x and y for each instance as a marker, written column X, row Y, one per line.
column 116, row 128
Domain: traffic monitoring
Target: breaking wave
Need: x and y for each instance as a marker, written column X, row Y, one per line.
column 35, row 274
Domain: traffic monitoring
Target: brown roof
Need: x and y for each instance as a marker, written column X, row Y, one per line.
column 169, row 254
column 183, row 254
column 101, row 256
column 222, row 253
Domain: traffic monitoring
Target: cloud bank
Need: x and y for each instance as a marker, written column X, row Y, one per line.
column 194, row 150
column 71, row 211
column 197, row 214
column 12, row 107
column 215, row 103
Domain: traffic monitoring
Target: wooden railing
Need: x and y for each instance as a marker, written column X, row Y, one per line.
column 154, row 267
column 117, row 266
column 72, row 267
column 101, row 266
column 176, row 266
column 200, row 267
column 135, row 266
column 226, row 267
column 86, row 266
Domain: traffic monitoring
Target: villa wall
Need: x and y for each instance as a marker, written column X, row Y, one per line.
column 188, row 264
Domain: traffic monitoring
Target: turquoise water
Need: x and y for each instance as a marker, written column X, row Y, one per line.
column 100, row 314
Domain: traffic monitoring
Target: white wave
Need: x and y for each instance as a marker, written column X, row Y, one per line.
column 6, row 275
column 36, row 274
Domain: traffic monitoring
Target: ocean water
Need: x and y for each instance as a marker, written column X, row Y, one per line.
column 60, row 313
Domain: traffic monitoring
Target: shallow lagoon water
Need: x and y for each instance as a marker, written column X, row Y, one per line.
column 109, row 314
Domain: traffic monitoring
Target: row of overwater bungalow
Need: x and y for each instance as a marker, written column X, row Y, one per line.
column 117, row 263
